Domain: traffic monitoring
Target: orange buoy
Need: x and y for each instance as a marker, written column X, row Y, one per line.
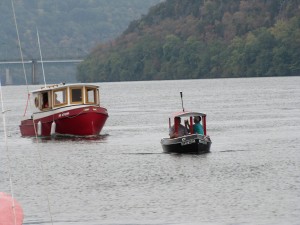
column 11, row 212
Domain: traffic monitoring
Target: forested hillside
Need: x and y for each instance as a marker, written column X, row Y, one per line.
column 65, row 26
column 182, row 39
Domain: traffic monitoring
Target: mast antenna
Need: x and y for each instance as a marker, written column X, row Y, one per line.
column 38, row 37
column 181, row 101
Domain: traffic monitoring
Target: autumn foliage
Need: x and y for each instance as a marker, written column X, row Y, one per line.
column 184, row 39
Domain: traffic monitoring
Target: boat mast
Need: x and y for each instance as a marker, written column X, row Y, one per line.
column 19, row 43
column 21, row 54
column 38, row 37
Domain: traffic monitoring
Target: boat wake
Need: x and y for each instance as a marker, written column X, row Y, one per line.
column 101, row 137
column 232, row 150
column 143, row 153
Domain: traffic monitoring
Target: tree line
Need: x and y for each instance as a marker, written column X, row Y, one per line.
column 187, row 39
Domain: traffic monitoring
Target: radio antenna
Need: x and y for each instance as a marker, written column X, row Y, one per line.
column 38, row 37
column 181, row 101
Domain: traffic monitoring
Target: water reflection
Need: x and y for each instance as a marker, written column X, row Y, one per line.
column 68, row 138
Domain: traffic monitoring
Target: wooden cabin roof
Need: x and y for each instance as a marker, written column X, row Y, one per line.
column 58, row 86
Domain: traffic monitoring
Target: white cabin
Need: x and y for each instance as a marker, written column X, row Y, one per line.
column 62, row 95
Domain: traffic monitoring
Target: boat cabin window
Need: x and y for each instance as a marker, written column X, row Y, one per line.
column 60, row 97
column 76, row 95
column 45, row 100
column 91, row 95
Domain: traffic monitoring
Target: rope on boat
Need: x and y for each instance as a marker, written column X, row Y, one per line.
column 20, row 47
column 44, row 176
column 8, row 156
column 28, row 98
column 43, row 171
column 21, row 54
column 25, row 76
column 53, row 119
column 71, row 117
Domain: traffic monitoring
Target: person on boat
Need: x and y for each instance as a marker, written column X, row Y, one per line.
column 181, row 129
column 197, row 127
column 45, row 100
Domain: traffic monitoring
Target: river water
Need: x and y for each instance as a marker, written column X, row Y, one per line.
column 251, row 176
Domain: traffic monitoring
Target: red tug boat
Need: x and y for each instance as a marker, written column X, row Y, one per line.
column 67, row 110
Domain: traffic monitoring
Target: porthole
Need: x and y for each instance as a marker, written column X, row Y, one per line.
column 36, row 102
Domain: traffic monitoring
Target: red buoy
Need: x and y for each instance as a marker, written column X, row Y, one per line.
column 11, row 212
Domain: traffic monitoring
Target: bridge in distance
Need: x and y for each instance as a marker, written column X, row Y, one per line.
column 59, row 58
column 34, row 63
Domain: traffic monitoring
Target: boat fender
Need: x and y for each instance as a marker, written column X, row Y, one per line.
column 39, row 128
column 53, row 128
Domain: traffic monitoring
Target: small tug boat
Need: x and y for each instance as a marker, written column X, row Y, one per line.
column 191, row 142
column 65, row 109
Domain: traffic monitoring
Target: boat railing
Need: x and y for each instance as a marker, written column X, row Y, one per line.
column 189, row 136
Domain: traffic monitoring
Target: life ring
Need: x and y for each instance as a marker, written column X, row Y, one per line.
column 36, row 102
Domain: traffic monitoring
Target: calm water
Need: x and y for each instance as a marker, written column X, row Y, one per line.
column 251, row 176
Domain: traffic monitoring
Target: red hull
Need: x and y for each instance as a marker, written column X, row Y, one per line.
column 83, row 121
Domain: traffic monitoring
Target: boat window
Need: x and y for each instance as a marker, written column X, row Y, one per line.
column 76, row 95
column 44, row 100
column 91, row 94
column 60, row 97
